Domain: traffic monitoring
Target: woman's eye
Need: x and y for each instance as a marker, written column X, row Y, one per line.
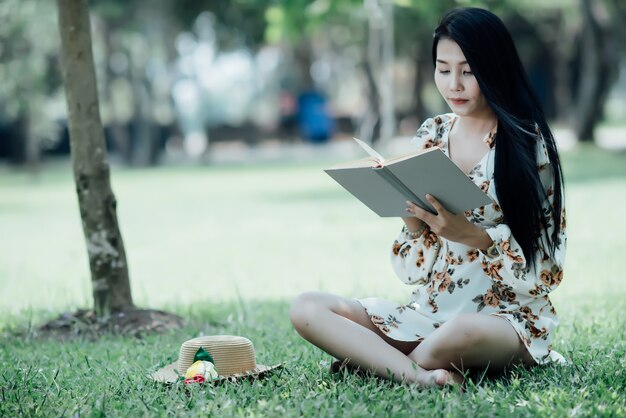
column 467, row 73
column 444, row 71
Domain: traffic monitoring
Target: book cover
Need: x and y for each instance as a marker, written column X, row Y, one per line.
column 384, row 185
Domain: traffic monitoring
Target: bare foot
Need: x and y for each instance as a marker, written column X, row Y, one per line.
column 457, row 378
column 439, row 377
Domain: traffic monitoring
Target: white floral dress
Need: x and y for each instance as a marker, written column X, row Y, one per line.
column 450, row 278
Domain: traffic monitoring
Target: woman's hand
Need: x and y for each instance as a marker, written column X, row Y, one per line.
column 450, row 226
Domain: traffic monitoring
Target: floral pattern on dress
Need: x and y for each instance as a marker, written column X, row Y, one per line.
column 450, row 278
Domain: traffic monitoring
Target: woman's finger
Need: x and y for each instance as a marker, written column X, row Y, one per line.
column 435, row 203
column 418, row 212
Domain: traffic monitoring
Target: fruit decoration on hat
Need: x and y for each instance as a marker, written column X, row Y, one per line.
column 203, row 368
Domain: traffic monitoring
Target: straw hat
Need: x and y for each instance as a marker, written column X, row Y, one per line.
column 232, row 356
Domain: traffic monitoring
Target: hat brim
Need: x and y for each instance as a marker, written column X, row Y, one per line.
column 168, row 374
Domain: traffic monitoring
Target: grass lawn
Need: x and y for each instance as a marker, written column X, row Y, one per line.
column 229, row 247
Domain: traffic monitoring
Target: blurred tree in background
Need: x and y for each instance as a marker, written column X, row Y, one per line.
column 30, row 78
column 175, row 77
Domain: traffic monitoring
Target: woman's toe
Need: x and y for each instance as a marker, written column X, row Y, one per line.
column 441, row 377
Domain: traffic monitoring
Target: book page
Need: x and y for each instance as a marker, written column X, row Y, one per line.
column 410, row 154
column 370, row 150
column 363, row 162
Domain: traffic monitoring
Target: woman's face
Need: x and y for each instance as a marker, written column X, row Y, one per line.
column 456, row 83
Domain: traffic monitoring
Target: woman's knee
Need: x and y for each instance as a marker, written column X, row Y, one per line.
column 308, row 306
column 465, row 330
column 448, row 343
column 467, row 333
column 305, row 307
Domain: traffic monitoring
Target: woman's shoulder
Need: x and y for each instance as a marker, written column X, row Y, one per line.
column 432, row 130
column 436, row 122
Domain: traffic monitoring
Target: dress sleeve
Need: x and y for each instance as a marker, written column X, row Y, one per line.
column 428, row 134
column 413, row 258
column 510, row 267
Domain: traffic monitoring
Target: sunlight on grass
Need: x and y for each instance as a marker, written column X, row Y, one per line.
column 229, row 247
column 266, row 232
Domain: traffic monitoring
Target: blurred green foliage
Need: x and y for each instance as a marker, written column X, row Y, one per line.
column 29, row 72
column 145, row 33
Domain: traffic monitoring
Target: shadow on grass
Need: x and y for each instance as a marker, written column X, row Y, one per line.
column 587, row 162
column 108, row 376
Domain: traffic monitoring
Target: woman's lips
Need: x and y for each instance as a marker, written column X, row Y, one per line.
column 458, row 101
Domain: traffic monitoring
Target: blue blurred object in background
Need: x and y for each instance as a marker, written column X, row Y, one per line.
column 315, row 123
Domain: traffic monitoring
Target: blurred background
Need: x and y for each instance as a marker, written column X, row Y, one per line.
column 220, row 116
column 183, row 81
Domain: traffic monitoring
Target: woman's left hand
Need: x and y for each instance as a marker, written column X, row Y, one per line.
column 448, row 225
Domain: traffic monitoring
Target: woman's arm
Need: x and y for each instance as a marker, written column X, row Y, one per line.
column 505, row 262
column 414, row 225
column 450, row 226
column 416, row 248
column 413, row 254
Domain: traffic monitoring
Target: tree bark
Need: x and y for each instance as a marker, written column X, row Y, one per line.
column 107, row 259
column 595, row 74
column 387, row 102
column 423, row 70
column 369, row 129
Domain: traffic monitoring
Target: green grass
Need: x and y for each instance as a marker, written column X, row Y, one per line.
column 229, row 247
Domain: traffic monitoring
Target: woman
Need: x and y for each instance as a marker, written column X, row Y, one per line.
column 481, row 278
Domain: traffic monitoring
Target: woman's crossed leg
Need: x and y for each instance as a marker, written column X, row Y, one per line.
column 342, row 328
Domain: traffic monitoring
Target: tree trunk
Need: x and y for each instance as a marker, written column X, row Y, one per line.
column 594, row 82
column 33, row 151
column 369, row 129
column 107, row 259
column 143, row 144
column 423, row 69
column 387, row 103
column 303, row 54
column 118, row 129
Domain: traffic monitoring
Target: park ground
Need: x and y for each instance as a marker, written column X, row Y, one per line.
column 229, row 245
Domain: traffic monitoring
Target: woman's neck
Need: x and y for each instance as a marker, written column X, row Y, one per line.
column 478, row 125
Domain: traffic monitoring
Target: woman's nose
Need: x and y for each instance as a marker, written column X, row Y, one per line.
column 455, row 83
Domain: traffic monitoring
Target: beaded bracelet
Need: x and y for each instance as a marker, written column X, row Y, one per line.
column 416, row 234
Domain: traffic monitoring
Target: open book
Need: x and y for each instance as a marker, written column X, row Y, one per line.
column 384, row 185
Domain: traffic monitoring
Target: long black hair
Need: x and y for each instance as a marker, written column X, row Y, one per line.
column 494, row 61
